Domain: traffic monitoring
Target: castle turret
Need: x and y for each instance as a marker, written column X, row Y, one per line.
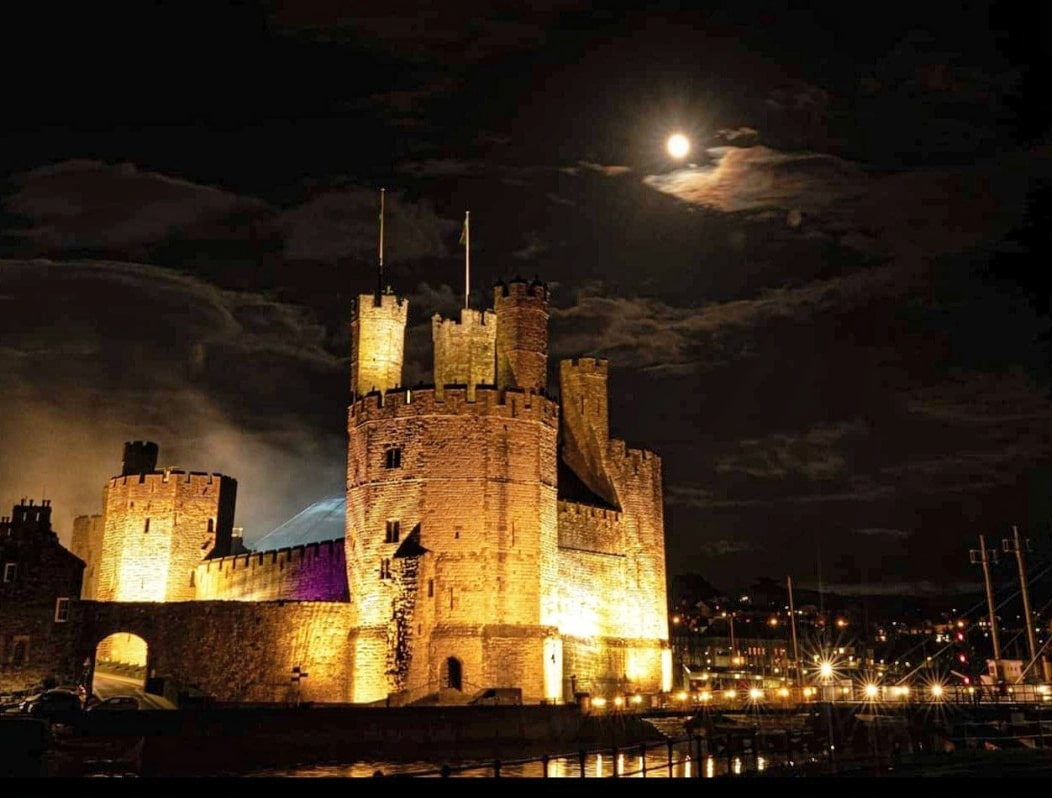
column 157, row 526
column 522, row 334
column 140, row 457
column 377, row 342
column 465, row 350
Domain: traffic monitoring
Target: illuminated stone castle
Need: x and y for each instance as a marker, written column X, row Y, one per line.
column 494, row 537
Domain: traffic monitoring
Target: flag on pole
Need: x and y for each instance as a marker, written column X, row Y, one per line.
column 465, row 239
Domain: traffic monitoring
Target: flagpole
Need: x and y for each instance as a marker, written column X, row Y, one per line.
column 380, row 269
column 467, row 257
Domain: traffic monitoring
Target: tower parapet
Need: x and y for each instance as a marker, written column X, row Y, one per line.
column 465, row 350
column 522, row 334
column 377, row 342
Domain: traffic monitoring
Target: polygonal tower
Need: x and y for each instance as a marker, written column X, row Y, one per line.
column 377, row 342
column 452, row 519
column 158, row 525
column 522, row 334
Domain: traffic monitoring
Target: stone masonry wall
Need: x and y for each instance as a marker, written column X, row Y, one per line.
column 465, row 350
column 476, row 481
column 377, row 343
column 157, row 528
column 87, row 544
column 637, row 480
column 236, row 651
column 312, row 572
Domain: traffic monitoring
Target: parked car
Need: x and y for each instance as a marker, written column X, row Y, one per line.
column 115, row 703
column 52, row 703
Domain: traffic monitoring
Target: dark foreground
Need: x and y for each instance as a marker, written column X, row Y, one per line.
column 819, row 741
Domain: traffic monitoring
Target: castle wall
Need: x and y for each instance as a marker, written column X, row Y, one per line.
column 157, row 528
column 606, row 647
column 476, row 482
column 377, row 343
column 636, row 475
column 236, row 651
column 312, row 572
column 522, row 335
column 87, row 544
column 465, row 350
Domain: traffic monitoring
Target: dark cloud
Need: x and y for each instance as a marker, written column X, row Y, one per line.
column 342, row 224
column 815, row 453
column 420, row 32
column 220, row 380
column 83, row 204
column 892, row 533
column 639, row 332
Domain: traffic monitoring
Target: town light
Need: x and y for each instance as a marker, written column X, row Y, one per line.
column 825, row 669
column 705, row 695
column 755, row 693
column 936, row 691
column 730, row 693
column 871, row 691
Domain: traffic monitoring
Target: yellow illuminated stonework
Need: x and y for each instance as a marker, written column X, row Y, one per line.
column 495, row 538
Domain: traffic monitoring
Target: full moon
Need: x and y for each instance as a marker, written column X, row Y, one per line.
column 678, row 145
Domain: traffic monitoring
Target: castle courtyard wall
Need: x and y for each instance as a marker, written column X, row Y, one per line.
column 311, row 572
column 235, row 651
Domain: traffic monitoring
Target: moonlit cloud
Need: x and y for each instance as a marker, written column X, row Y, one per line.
column 758, row 178
column 611, row 170
column 647, row 333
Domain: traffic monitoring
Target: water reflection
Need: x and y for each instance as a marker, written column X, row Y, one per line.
column 656, row 763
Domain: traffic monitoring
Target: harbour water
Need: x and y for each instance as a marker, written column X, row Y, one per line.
column 653, row 763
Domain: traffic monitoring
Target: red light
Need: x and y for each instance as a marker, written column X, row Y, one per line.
column 967, row 680
column 962, row 657
column 960, row 636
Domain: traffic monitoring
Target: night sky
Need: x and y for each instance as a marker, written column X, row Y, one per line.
column 832, row 322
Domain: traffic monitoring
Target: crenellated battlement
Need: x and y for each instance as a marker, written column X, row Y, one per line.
column 307, row 572
column 520, row 288
column 289, row 554
column 388, row 304
column 468, row 317
column 455, row 401
column 167, row 476
column 633, row 463
column 588, row 511
column 587, row 365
